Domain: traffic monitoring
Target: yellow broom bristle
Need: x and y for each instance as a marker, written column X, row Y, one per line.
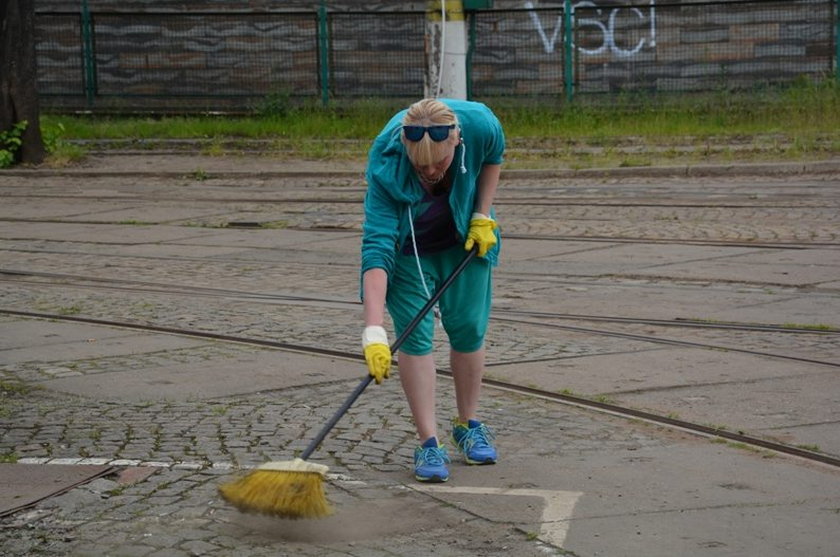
column 280, row 493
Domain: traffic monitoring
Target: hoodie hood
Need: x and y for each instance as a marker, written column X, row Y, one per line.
column 392, row 166
column 393, row 185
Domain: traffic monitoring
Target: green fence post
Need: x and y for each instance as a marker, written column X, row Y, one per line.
column 323, row 48
column 87, row 55
column 568, row 51
column 837, row 41
column 471, row 49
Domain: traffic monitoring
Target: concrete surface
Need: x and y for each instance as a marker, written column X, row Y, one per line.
column 186, row 413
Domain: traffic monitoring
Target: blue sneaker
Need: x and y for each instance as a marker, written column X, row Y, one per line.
column 475, row 440
column 430, row 462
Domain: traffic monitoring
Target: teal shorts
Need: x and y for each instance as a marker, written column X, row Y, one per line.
column 464, row 306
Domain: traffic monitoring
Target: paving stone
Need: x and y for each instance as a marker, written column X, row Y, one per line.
column 195, row 445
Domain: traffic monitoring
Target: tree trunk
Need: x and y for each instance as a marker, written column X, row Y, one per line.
column 18, row 77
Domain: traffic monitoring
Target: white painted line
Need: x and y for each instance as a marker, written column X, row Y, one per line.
column 155, row 464
column 222, row 466
column 125, row 462
column 95, row 461
column 66, row 461
column 559, row 506
column 33, row 460
column 188, row 466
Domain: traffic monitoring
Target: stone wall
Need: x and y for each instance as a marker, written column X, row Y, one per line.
column 237, row 54
column 623, row 46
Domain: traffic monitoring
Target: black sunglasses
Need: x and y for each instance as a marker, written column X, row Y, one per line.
column 437, row 133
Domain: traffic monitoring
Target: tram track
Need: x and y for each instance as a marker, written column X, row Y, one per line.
column 778, row 216
column 510, row 315
column 357, row 198
column 737, row 437
column 781, row 245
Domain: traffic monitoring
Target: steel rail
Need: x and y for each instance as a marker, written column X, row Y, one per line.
column 131, row 285
column 359, row 192
column 673, row 342
column 165, row 288
column 510, row 236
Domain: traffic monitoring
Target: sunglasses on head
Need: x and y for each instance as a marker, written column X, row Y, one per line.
column 437, row 133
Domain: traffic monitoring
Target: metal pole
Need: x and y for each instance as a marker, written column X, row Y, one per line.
column 568, row 51
column 87, row 54
column 323, row 53
column 446, row 41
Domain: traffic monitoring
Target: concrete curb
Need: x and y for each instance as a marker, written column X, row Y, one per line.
column 735, row 169
column 830, row 166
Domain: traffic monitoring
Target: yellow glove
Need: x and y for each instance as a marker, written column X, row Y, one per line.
column 377, row 352
column 481, row 233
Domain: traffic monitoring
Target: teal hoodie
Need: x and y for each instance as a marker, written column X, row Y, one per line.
column 393, row 184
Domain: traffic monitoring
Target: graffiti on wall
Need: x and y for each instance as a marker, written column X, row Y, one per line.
column 601, row 31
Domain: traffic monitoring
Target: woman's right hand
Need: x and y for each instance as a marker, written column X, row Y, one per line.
column 377, row 352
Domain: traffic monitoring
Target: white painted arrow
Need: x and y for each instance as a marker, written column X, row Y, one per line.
column 557, row 512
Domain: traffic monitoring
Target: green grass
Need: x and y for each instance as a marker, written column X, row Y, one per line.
column 800, row 121
column 808, row 326
column 804, row 108
column 361, row 120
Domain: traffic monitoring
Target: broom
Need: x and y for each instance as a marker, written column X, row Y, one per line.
column 294, row 489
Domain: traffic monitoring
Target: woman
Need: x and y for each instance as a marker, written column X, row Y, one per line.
column 432, row 175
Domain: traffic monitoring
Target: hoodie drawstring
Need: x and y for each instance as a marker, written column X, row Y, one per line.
column 419, row 267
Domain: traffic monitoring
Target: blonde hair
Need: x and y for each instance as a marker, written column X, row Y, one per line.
column 430, row 112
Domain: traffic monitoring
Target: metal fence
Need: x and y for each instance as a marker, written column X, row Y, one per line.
column 234, row 60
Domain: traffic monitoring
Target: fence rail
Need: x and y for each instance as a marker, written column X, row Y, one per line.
column 234, row 60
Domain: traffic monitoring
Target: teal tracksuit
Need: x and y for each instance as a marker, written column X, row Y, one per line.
column 393, row 187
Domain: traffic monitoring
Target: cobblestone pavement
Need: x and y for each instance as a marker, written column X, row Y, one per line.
column 170, row 250
column 195, row 444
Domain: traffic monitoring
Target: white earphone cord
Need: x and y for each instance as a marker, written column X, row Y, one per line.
column 419, row 267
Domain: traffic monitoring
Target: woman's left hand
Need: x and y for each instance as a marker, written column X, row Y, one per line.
column 481, row 234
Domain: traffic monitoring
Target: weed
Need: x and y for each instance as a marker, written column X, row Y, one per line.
column 9, row 458
column 61, row 152
column 276, row 105
column 119, row 490
column 810, row 327
column 199, row 175
column 134, row 222
column 634, row 162
column 215, row 149
column 275, row 224
column 10, row 142
column 13, row 388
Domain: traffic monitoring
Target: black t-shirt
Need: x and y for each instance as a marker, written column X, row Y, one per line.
column 434, row 227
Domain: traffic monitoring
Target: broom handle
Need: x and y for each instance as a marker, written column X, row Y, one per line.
column 397, row 343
